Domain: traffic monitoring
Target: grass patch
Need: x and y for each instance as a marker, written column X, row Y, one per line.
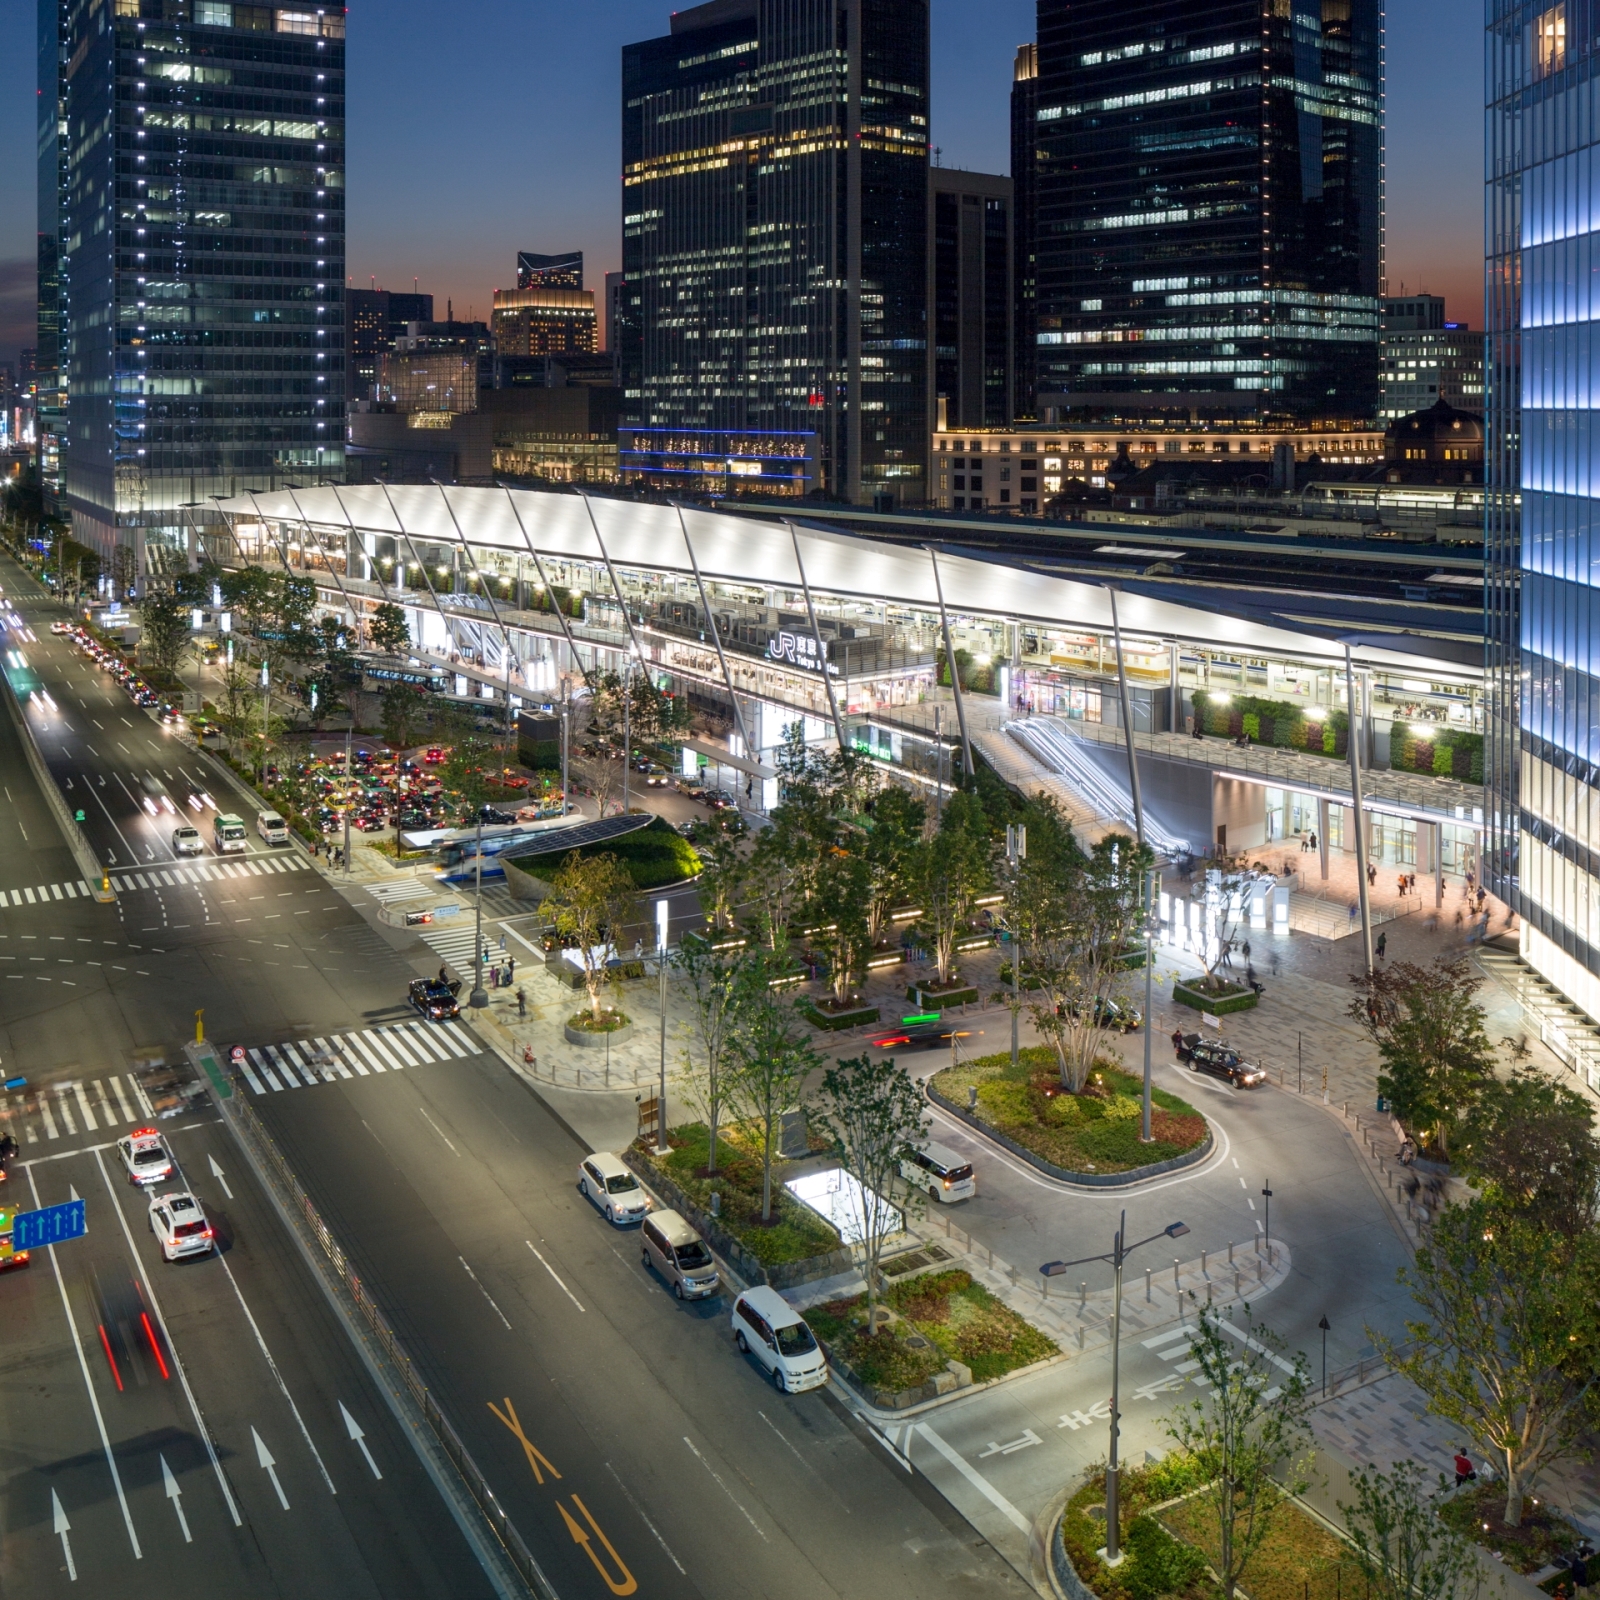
column 1299, row 1559
column 795, row 1232
column 1096, row 1131
column 652, row 856
column 1478, row 1514
column 608, row 1021
column 1157, row 1564
column 945, row 1316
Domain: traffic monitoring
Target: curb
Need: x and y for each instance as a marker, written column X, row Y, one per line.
column 1077, row 1180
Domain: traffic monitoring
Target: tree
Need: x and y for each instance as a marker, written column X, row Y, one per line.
column 466, row 771
column 1509, row 1348
column 1224, row 901
column 402, row 710
column 894, row 826
column 1404, row 1551
column 1429, row 1030
column 952, row 869
column 839, row 902
column 875, row 1116
column 388, row 629
column 714, row 988
column 1531, row 1142
column 241, row 710
column 722, row 876
column 164, row 630
column 771, row 1058
column 590, row 899
column 1250, row 1423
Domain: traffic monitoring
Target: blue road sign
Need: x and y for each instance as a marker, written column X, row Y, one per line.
column 33, row 1230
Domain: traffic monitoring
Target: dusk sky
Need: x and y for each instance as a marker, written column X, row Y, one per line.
column 489, row 126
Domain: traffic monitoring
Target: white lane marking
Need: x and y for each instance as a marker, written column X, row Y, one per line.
column 122, row 1099
column 440, row 1131
column 404, row 1047
column 270, row 1467
column 66, row 1112
column 90, row 1122
column 1027, row 1438
column 1165, row 1338
column 94, row 1400
column 55, row 889
column 175, row 1495
column 425, row 1045
column 377, row 1046
column 221, row 1177
column 61, row 1528
column 363, row 1048
column 142, row 1098
column 50, row 1130
column 335, row 1060
column 1256, row 1345
column 265, row 1070
column 554, row 1274
column 177, row 1360
column 645, row 1520
column 459, row 1039
column 249, row 1075
column 726, row 1490
column 353, row 1428
column 353, row 1062
column 484, row 1292
column 975, row 1478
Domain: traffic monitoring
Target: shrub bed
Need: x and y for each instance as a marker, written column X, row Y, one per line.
column 1156, row 1564
column 1299, row 1559
column 1449, row 753
column 1096, row 1131
column 1219, row 1002
column 1479, row 1514
column 795, row 1232
column 820, row 1014
column 947, row 1316
column 1275, row 722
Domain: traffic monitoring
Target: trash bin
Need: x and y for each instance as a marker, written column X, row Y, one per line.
column 1383, row 1105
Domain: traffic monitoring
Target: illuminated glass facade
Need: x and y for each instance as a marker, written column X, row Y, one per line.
column 1210, row 191
column 1543, row 237
column 202, row 235
column 775, row 179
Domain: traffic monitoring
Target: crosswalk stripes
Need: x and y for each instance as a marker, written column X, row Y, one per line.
column 114, row 1102
column 406, row 889
column 454, row 944
column 153, row 877
column 304, row 1063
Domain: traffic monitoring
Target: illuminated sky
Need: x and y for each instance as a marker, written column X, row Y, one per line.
column 489, row 126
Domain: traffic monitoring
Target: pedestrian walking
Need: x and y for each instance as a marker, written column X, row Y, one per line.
column 1464, row 1468
column 522, row 1002
column 1177, row 1039
column 494, row 976
column 1305, row 844
column 1458, row 919
column 1383, row 945
column 1313, row 839
column 1372, row 876
column 1401, row 880
column 511, row 968
column 1244, row 950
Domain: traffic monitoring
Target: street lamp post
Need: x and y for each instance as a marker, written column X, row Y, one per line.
column 662, row 912
column 565, row 716
column 1152, row 903
column 1112, row 1554
column 1266, row 1194
column 349, row 774
column 1325, row 1325
column 1016, row 854
column 479, row 998
column 266, row 701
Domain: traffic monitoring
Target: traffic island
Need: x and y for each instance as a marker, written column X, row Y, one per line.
column 1088, row 1138
column 590, row 1032
column 794, row 1246
column 937, row 1333
column 1216, row 997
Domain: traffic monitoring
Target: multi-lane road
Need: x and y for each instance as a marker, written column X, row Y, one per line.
column 627, row 1440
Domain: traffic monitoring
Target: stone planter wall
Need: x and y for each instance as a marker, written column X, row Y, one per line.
column 586, row 1039
column 933, row 998
column 1062, row 1569
column 1219, row 1005
column 839, row 1021
column 955, row 1376
column 786, row 1275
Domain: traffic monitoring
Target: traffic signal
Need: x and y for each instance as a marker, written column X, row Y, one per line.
column 77, row 816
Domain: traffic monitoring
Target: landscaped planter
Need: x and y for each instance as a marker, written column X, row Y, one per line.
column 858, row 1016
column 596, row 1039
column 932, row 998
column 1219, row 1005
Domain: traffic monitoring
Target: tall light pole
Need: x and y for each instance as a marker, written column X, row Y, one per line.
column 349, row 777
column 1326, row 1326
column 662, row 911
column 1151, row 906
column 1112, row 1554
column 627, row 726
column 266, row 700
column 566, row 717
column 1016, row 854
column 1266, row 1194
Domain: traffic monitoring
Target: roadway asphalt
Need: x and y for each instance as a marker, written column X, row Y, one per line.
column 452, row 1186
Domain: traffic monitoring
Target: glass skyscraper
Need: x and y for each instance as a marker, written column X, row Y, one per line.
column 775, row 183
column 201, row 262
column 1210, row 192
column 1543, row 556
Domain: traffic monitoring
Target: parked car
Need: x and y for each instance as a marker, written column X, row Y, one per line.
column 1110, row 1013
column 1213, row 1057
column 943, row 1174
column 604, row 1181
column 679, row 1254
column 767, row 1327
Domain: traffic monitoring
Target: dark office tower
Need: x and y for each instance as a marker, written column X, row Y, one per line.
column 1210, row 190
column 1024, row 209
column 202, row 251
column 615, row 310
column 374, row 319
column 969, row 298
column 775, row 172
column 550, row 272
column 49, row 420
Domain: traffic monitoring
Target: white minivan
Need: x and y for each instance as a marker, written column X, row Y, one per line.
column 767, row 1327
column 679, row 1254
column 941, row 1173
column 272, row 828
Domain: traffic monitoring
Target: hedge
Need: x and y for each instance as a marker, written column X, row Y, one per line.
column 1274, row 722
column 1449, row 753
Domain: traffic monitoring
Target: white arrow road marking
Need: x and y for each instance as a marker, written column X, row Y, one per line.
column 353, row 1428
column 975, row 1478
column 1028, row 1437
column 270, row 1467
column 62, row 1528
column 175, row 1495
column 216, row 1172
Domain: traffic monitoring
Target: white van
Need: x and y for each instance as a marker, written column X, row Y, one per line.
column 272, row 828
column 227, row 834
column 679, row 1254
column 941, row 1173
column 767, row 1327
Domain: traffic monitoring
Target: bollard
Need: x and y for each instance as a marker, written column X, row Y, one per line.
column 1237, row 1289
column 1208, row 1293
column 1203, row 1272
column 1230, row 1252
column 1174, row 1274
column 1083, row 1295
column 1080, row 1336
column 1147, row 1285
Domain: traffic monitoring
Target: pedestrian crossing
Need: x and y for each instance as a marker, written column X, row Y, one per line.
column 170, row 877
column 304, row 1063
column 451, row 940
column 116, row 1102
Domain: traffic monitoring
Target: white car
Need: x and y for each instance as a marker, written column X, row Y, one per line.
column 186, row 841
column 145, row 1156
column 180, row 1225
column 767, row 1327
column 605, row 1181
column 941, row 1173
